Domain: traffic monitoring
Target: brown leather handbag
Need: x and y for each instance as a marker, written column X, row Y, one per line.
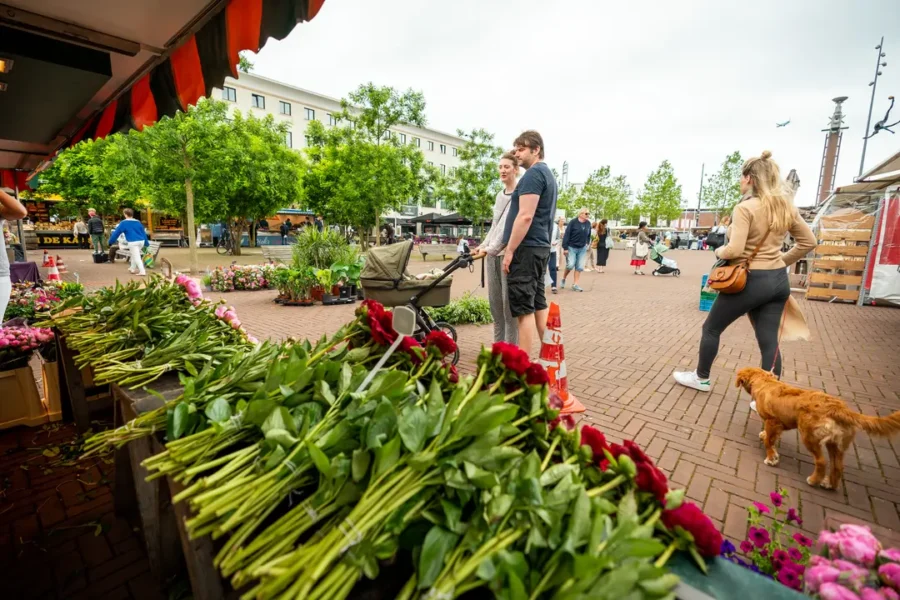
column 731, row 279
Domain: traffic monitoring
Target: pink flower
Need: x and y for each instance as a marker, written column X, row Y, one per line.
column 235, row 323
column 776, row 498
column 828, row 540
column 795, row 554
column 746, row 547
column 817, row 575
column 890, row 554
column 790, row 577
column 759, row 536
column 762, row 508
column 870, row 594
column 889, row 594
column 220, row 311
column 229, row 315
column 252, row 339
column 834, row 591
column 802, row 540
column 793, row 516
column 817, row 561
column 859, row 549
column 890, row 574
column 779, row 557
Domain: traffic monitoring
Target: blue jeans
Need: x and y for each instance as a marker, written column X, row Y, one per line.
column 553, row 264
column 575, row 259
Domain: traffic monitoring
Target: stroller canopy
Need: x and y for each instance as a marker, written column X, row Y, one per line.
column 388, row 263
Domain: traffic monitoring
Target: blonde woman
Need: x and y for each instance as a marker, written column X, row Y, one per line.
column 759, row 223
column 506, row 328
column 10, row 210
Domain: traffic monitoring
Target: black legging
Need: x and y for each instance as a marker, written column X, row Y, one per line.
column 763, row 299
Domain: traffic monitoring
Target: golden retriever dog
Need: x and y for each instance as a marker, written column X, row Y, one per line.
column 821, row 418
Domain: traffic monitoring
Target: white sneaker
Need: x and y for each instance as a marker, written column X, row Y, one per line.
column 691, row 380
column 753, row 406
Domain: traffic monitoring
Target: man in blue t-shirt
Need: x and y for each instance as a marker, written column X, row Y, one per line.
column 527, row 236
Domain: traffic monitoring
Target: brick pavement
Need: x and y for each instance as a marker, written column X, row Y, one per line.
column 624, row 336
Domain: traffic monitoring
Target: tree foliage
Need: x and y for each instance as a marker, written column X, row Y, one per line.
column 723, row 188
column 607, row 197
column 661, row 197
column 470, row 189
column 567, row 200
column 359, row 171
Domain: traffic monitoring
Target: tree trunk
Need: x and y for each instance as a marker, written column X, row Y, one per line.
column 189, row 211
column 377, row 229
column 236, row 229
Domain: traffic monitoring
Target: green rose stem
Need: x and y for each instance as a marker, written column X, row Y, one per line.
column 460, row 573
column 599, row 491
column 666, row 555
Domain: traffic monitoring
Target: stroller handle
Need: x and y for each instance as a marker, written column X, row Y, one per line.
column 463, row 260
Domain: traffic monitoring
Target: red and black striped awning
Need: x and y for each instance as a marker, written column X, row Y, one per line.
column 199, row 65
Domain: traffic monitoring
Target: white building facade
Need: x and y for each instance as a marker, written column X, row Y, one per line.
column 252, row 94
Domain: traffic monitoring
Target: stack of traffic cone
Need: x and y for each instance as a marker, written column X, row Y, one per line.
column 46, row 262
column 52, row 271
column 60, row 264
column 553, row 358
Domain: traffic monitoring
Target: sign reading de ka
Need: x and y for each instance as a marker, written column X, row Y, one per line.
column 56, row 239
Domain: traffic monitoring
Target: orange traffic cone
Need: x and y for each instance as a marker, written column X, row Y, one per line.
column 52, row 271
column 46, row 262
column 553, row 358
column 60, row 264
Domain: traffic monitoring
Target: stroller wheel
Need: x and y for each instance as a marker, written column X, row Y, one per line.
column 655, row 273
column 446, row 328
column 677, row 273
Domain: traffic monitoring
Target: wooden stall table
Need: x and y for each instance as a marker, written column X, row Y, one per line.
column 163, row 523
column 78, row 394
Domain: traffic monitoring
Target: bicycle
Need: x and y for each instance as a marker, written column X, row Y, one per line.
column 225, row 245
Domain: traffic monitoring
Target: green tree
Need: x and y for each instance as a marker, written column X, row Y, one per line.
column 358, row 172
column 723, row 188
column 80, row 175
column 567, row 200
column 244, row 64
column 604, row 195
column 471, row 188
column 661, row 197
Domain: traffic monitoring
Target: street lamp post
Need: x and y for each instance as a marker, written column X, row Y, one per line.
column 873, row 84
column 700, row 195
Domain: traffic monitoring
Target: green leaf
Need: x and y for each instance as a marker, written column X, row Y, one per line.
column 190, row 368
column 413, row 425
column 218, row 410
column 555, row 473
column 434, row 409
column 388, row 384
column 499, row 506
column 358, row 354
column 258, row 411
column 319, row 459
column 452, row 515
column 360, row 464
column 386, row 456
column 579, row 523
column 489, row 419
column 179, row 420
column 382, row 425
column 486, row 570
column 286, row 391
column 640, row 548
column 627, row 512
column 323, row 392
column 529, row 491
column 279, row 418
column 479, row 477
column 661, row 585
column 346, row 377
column 438, row 543
column 281, row 437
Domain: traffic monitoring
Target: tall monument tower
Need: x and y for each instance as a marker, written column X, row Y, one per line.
column 830, row 155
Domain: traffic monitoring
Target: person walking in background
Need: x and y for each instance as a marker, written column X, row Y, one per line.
column 80, row 232
column 575, row 246
column 760, row 220
column 285, row 229
column 716, row 237
column 506, row 329
column 135, row 239
column 95, row 229
column 589, row 259
column 641, row 249
column 553, row 264
column 603, row 244
column 320, row 224
column 10, row 210
column 527, row 237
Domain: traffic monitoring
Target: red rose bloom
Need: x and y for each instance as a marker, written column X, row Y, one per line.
column 440, row 340
column 452, row 374
column 555, row 402
column 567, row 421
column 409, row 345
column 536, row 375
column 636, row 454
column 381, row 327
column 369, row 307
column 689, row 517
column 596, row 440
column 650, row 479
column 514, row 358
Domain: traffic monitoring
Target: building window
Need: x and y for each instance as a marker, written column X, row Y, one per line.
column 387, row 135
column 455, row 152
column 402, row 137
column 288, row 139
column 332, row 120
column 257, row 101
column 443, row 149
column 417, row 142
column 431, row 145
column 229, row 94
column 443, row 169
column 284, row 107
column 430, row 163
column 452, row 170
column 310, row 114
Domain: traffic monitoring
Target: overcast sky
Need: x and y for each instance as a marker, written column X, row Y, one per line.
column 627, row 84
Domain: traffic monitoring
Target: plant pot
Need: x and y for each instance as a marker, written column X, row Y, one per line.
column 329, row 299
column 354, row 289
column 317, row 292
column 344, row 292
column 360, row 293
column 336, row 290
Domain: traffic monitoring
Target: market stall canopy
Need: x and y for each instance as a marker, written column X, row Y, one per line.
column 80, row 70
column 426, row 218
column 453, row 219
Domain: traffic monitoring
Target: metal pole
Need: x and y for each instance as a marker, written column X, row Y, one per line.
column 700, row 195
column 879, row 48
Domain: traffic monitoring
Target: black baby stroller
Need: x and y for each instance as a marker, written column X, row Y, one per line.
column 385, row 279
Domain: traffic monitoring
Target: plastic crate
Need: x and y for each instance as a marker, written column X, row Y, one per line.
column 703, row 281
column 708, row 295
column 706, row 304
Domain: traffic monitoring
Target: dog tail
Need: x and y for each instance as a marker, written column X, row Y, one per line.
column 878, row 426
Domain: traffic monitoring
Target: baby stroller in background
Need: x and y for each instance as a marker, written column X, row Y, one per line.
column 667, row 266
column 385, row 279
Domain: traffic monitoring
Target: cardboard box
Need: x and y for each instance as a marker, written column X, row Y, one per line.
column 20, row 404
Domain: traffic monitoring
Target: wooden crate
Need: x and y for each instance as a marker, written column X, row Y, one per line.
column 838, row 268
column 52, row 396
column 21, row 403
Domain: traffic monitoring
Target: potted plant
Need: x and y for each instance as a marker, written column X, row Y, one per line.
column 340, row 275
column 207, row 282
column 280, row 280
column 353, row 272
column 301, row 284
column 326, row 280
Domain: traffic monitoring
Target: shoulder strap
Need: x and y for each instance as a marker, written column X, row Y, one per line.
column 759, row 245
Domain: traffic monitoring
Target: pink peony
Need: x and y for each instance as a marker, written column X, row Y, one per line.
column 890, row 574
column 870, row 594
column 235, row 323
column 859, row 549
column 834, row 591
column 890, row 554
column 816, row 576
